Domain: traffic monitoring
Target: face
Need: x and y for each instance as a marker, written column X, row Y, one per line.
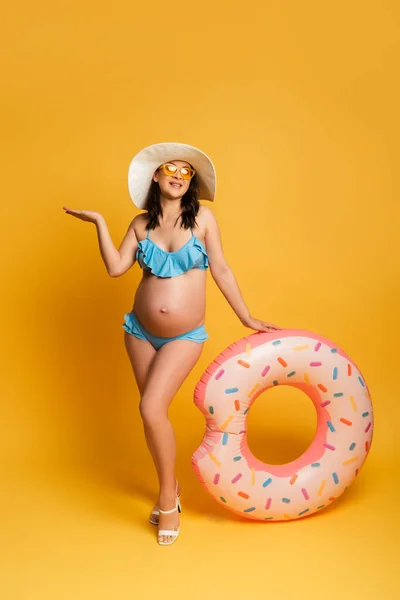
column 172, row 186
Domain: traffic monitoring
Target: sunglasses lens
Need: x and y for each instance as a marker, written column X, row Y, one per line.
column 170, row 169
column 186, row 173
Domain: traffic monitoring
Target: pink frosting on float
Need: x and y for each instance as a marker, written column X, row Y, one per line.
column 316, row 449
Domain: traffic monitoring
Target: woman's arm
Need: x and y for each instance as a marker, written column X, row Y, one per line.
column 224, row 276
column 117, row 262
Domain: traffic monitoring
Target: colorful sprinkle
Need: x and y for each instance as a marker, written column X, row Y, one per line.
column 253, row 389
column 229, row 419
column 219, row 374
column 361, row 381
column 243, row 364
column 305, row 493
column 315, row 464
column 325, row 403
column 366, row 446
column 216, row 478
column 244, row 495
column 322, row 387
column 335, row 373
column 276, row 342
column 265, row 371
column 346, row 422
column 214, row 459
column 338, row 394
column 321, row 487
column 353, row 445
column 298, row 348
column 348, row 369
column 222, row 499
column 365, row 414
column 268, row 503
column 306, row 379
column 368, row 427
column 211, row 409
column 329, row 446
column 353, row 403
column 287, row 517
column 303, row 512
column 317, row 347
column 235, row 479
column 237, row 404
column 224, row 439
column 331, row 427
column 350, row 460
column 286, row 500
column 291, row 374
column 282, row 362
column 315, row 364
column 231, row 390
column 236, row 458
column 293, row 479
column 333, row 350
column 267, row 482
column 335, row 477
column 250, row 509
column 275, row 382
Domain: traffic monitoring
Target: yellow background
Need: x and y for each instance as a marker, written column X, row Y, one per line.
column 297, row 105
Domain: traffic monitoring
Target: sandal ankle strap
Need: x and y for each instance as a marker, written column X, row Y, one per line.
column 168, row 511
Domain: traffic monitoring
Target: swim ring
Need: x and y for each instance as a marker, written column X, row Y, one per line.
column 225, row 393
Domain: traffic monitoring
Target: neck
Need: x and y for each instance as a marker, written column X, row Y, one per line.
column 170, row 208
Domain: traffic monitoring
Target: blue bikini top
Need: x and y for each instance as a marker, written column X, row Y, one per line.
column 151, row 257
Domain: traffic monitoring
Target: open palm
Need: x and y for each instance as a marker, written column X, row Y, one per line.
column 84, row 215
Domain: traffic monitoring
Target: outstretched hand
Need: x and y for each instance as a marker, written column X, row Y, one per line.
column 260, row 325
column 84, row 215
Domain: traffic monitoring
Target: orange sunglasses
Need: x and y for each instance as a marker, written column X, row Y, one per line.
column 171, row 169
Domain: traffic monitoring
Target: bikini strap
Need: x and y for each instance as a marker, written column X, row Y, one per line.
column 192, row 232
column 148, row 234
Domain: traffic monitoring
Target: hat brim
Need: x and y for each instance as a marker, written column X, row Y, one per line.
column 144, row 164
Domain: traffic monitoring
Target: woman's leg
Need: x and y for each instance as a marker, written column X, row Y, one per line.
column 169, row 368
column 141, row 354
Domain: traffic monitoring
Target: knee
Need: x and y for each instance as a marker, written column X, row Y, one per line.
column 152, row 415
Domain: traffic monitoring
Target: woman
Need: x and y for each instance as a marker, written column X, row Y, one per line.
column 164, row 332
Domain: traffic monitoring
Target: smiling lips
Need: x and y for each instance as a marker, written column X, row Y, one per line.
column 173, row 183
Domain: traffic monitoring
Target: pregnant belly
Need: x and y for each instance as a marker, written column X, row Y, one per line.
column 171, row 306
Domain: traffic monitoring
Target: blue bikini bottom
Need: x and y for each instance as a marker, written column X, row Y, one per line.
column 134, row 327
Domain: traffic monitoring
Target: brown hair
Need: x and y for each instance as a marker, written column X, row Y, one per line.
column 189, row 203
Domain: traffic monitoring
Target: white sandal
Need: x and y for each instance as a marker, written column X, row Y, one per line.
column 171, row 532
column 154, row 517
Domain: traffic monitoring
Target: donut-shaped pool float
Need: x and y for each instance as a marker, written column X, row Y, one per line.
column 223, row 462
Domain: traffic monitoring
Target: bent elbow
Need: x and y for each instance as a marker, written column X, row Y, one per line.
column 114, row 273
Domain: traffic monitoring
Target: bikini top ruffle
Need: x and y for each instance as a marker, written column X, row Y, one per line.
column 151, row 257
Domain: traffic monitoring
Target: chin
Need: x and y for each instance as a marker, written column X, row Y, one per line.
column 174, row 194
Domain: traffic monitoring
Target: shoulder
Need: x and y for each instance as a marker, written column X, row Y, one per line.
column 205, row 216
column 138, row 224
